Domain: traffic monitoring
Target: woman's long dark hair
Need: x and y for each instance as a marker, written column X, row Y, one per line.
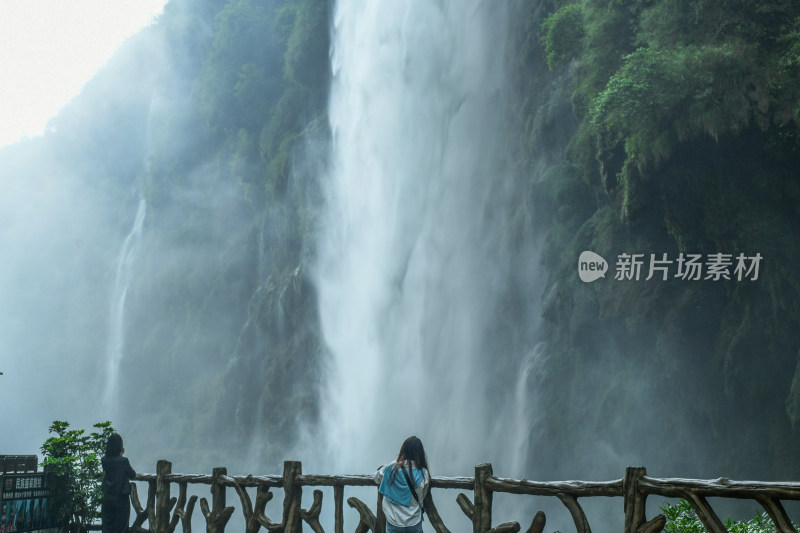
column 113, row 445
column 412, row 451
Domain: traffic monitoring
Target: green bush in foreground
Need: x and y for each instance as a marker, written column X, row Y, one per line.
column 72, row 462
column 681, row 518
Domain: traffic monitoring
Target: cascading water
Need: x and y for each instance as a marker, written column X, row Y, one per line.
column 116, row 337
column 531, row 372
column 412, row 264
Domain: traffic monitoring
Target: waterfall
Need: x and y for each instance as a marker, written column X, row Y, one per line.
column 411, row 263
column 531, row 372
column 116, row 336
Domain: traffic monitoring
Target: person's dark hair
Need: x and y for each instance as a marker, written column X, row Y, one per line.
column 114, row 445
column 412, row 451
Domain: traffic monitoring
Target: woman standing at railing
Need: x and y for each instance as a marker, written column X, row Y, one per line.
column 402, row 505
column 116, row 508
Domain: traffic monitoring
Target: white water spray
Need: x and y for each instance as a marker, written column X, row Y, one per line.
column 531, row 373
column 410, row 264
column 116, row 338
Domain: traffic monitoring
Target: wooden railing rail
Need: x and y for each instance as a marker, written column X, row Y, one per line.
column 540, row 488
column 163, row 512
column 314, row 480
column 695, row 491
column 722, row 487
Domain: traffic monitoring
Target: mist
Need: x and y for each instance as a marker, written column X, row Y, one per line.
column 304, row 230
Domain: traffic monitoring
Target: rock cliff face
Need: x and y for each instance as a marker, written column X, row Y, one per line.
column 685, row 144
column 662, row 127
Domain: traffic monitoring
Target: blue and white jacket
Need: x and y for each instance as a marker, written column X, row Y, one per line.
column 399, row 506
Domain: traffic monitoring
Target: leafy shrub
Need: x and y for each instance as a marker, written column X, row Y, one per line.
column 681, row 518
column 563, row 33
column 72, row 462
column 662, row 98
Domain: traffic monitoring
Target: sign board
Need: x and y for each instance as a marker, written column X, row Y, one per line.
column 18, row 464
column 24, row 497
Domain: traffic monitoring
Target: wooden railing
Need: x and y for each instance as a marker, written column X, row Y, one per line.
column 163, row 512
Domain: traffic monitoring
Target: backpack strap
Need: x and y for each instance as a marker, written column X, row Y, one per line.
column 413, row 491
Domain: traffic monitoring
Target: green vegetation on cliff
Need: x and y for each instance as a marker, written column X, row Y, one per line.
column 231, row 220
column 682, row 122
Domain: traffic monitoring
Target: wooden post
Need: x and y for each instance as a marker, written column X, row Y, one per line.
column 220, row 513
column 777, row 513
column 219, row 497
column 216, row 517
column 482, row 507
column 293, row 496
column 634, row 500
column 151, row 506
column 380, row 519
column 433, row 514
column 705, row 513
column 338, row 499
column 163, row 469
column 575, row 509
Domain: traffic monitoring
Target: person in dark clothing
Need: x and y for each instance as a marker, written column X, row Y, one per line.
column 116, row 508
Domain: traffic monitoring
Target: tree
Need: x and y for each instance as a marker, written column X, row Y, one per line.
column 72, row 462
